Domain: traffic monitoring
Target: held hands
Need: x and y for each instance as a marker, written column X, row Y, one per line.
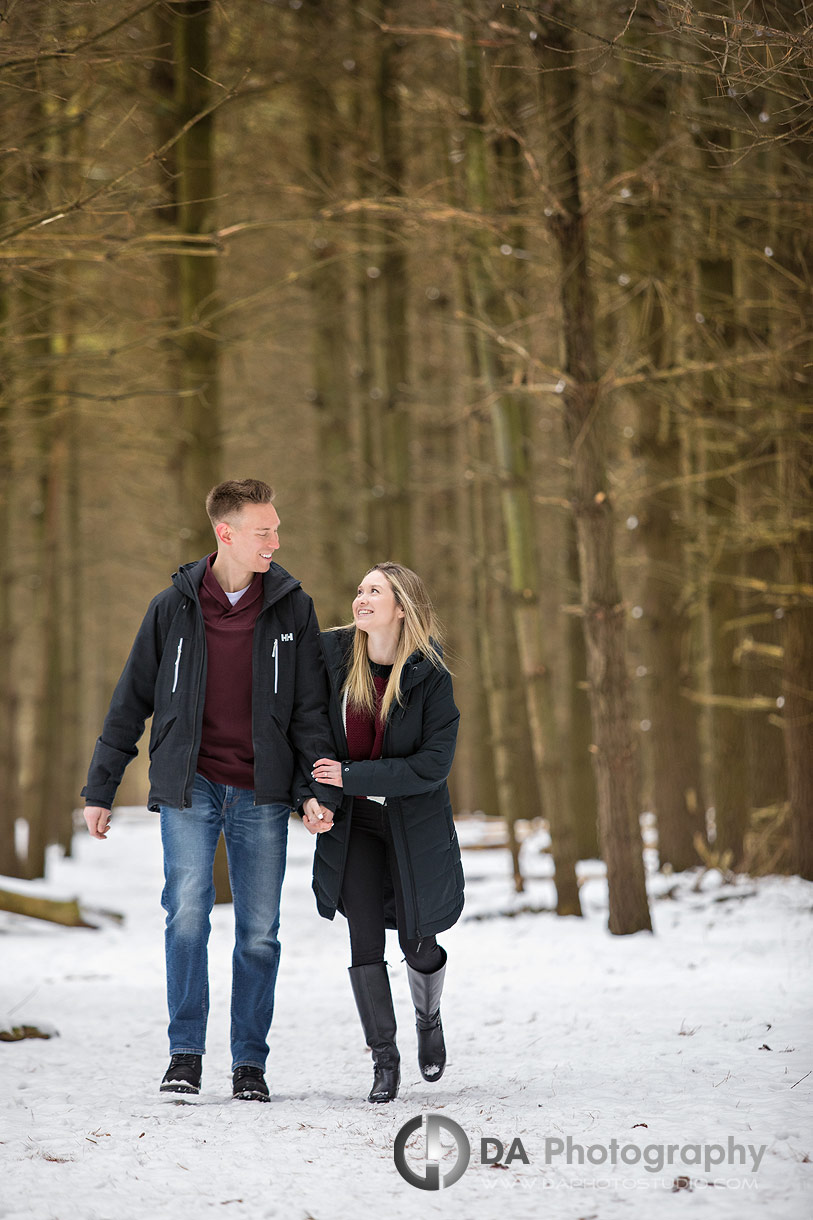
column 327, row 771
column 98, row 821
column 317, row 818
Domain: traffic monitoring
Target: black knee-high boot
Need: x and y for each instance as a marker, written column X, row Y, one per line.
column 426, row 991
column 371, row 989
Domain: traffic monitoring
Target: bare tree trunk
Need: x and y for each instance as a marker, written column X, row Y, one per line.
column 481, row 778
column 391, row 290
column 604, row 611
column 68, row 695
column 580, row 780
column 510, row 435
column 795, row 250
column 199, row 452
column 164, row 107
column 492, row 638
column 331, row 390
column 9, row 771
column 760, row 649
column 797, row 681
column 762, row 320
column 39, row 753
column 73, row 678
column 671, row 739
column 9, row 746
column 721, row 605
column 370, row 395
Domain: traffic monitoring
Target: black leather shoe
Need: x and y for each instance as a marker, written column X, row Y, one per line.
column 183, row 1074
column 248, row 1084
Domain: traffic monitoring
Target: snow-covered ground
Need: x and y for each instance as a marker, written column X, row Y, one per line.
column 555, row 1029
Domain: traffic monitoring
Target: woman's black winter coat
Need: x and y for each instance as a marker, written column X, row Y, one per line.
column 419, row 745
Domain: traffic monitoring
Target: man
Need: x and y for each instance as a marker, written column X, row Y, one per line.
column 227, row 662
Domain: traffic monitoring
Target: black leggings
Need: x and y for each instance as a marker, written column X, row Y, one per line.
column 369, row 851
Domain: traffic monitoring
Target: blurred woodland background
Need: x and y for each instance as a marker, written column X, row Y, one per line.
column 518, row 294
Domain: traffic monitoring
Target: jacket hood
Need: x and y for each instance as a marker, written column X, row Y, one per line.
column 337, row 647
column 276, row 581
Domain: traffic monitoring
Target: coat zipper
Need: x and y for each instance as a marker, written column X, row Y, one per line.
column 198, row 709
column 275, row 655
column 336, row 693
column 192, row 752
column 403, row 838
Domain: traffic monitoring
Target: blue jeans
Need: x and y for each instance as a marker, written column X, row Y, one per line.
column 256, row 841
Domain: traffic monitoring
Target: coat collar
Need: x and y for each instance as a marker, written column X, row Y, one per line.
column 337, row 647
column 276, row 581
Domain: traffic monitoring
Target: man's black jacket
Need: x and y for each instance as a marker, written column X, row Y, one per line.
column 165, row 677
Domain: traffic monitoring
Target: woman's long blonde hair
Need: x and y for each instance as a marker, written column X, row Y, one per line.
column 420, row 632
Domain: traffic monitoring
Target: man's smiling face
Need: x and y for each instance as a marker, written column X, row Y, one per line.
column 251, row 537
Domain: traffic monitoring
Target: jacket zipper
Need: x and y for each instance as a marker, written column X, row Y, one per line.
column 192, row 753
column 177, row 665
column 198, row 708
column 335, row 695
column 403, row 837
column 275, row 655
column 336, row 687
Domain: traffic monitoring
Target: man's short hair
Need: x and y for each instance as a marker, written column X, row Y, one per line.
column 229, row 498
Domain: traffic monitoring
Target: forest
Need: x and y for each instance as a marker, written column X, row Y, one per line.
column 518, row 294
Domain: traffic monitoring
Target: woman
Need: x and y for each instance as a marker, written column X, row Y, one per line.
column 392, row 858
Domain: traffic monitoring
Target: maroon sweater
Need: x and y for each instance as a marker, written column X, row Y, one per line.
column 365, row 733
column 226, row 753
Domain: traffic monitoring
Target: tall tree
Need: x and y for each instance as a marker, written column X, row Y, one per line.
column 496, row 653
column 322, row 47
column 584, row 409
column 653, row 320
column 198, row 461
column 509, row 419
column 797, row 683
column 40, row 748
column 793, row 253
column 9, row 774
column 389, row 294
column 198, row 457
column 580, row 780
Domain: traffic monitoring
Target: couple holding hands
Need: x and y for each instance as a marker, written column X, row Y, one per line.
column 255, row 712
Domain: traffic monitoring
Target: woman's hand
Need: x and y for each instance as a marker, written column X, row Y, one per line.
column 327, row 771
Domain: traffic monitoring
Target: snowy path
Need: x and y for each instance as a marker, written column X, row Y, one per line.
column 555, row 1029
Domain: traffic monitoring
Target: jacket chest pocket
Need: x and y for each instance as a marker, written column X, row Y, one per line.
column 282, row 657
column 277, row 674
column 177, row 669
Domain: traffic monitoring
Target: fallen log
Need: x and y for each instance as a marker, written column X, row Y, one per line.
column 66, row 912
